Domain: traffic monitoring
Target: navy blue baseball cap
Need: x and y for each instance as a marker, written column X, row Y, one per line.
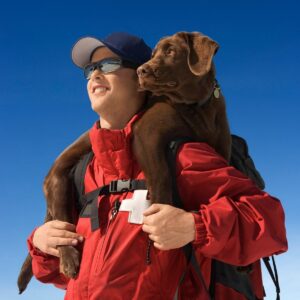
column 125, row 45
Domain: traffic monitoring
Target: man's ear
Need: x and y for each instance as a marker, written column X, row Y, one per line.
column 201, row 50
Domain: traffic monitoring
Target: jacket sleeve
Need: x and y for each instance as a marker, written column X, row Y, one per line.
column 235, row 221
column 45, row 267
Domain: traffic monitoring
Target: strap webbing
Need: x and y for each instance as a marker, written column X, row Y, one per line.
column 79, row 175
column 91, row 205
column 90, row 200
column 273, row 275
column 87, row 204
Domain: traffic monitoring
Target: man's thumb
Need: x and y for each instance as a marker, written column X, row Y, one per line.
column 154, row 208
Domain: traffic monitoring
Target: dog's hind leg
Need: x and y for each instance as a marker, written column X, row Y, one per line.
column 58, row 190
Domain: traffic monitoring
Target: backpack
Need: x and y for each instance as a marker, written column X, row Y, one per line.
column 234, row 277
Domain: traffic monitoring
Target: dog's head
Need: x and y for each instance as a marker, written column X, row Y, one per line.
column 175, row 60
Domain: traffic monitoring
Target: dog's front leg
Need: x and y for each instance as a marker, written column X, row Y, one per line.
column 61, row 204
column 159, row 125
column 150, row 153
column 61, row 200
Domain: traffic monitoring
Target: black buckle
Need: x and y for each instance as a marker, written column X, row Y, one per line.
column 121, row 185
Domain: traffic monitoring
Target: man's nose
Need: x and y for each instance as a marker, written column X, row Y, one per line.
column 96, row 75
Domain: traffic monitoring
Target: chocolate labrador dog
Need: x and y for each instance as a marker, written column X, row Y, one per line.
column 186, row 102
column 182, row 73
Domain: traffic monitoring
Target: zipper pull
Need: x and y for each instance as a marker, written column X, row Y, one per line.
column 115, row 209
column 148, row 257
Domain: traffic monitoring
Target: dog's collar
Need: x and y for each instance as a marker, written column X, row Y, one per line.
column 215, row 92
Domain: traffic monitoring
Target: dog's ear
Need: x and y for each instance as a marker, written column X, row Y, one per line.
column 201, row 50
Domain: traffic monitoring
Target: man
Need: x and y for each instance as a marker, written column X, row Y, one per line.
column 232, row 220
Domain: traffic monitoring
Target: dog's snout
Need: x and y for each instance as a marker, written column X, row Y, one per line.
column 144, row 70
column 147, row 70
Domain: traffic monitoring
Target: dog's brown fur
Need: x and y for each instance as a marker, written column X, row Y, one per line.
column 59, row 193
column 181, row 77
column 181, row 72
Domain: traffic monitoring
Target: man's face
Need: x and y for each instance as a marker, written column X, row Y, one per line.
column 113, row 93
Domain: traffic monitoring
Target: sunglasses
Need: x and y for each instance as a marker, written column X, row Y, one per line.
column 107, row 65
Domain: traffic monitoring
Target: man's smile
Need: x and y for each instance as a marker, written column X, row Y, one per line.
column 99, row 89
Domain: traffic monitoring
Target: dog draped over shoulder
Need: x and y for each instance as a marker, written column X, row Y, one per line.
column 186, row 101
column 189, row 104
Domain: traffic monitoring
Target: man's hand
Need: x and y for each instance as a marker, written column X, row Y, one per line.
column 55, row 233
column 168, row 227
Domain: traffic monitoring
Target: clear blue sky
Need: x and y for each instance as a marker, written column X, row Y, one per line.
column 44, row 106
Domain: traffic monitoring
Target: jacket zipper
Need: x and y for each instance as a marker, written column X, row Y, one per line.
column 113, row 214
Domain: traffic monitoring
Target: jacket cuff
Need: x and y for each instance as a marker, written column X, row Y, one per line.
column 201, row 232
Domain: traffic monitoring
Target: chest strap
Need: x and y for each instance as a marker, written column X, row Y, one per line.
column 89, row 201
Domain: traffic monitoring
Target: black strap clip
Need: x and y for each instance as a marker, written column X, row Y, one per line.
column 119, row 186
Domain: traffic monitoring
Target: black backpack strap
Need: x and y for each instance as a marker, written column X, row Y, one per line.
column 273, row 275
column 90, row 205
column 79, row 174
column 171, row 157
column 87, row 203
column 242, row 161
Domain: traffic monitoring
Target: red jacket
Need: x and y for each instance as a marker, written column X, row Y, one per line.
column 236, row 223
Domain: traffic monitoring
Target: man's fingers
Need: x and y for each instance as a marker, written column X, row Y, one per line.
column 53, row 251
column 154, row 238
column 146, row 228
column 159, row 246
column 154, row 208
column 63, row 229
column 65, row 234
column 63, row 225
column 57, row 241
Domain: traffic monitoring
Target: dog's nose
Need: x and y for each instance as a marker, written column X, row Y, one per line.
column 144, row 70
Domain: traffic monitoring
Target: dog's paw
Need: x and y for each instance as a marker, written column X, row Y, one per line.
column 69, row 261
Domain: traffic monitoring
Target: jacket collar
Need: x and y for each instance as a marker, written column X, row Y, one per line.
column 112, row 150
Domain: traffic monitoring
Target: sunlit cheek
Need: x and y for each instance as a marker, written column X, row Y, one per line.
column 89, row 89
column 88, row 85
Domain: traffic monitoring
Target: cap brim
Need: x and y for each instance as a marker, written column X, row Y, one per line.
column 83, row 49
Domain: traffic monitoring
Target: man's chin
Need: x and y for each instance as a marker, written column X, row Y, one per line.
column 98, row 106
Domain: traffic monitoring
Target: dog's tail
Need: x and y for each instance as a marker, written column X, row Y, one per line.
column 25, row 274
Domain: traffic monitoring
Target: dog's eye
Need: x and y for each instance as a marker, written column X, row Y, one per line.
column 170, row 51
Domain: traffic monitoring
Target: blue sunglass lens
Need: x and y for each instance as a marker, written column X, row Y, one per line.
column 104, row 66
